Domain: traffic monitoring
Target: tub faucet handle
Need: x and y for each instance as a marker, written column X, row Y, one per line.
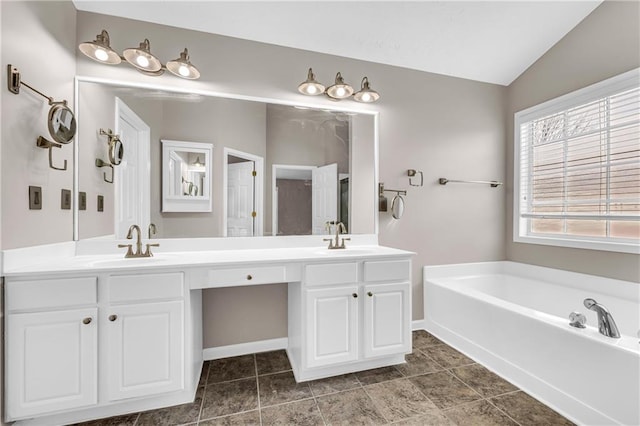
column 577, row 320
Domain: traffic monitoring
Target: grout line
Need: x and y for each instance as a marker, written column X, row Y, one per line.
column 137, row 418
column 374, row 403
column 502, row 411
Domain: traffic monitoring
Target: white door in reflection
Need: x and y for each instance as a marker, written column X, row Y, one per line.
column 324, row 188
column 132, row 176
column 241, row 199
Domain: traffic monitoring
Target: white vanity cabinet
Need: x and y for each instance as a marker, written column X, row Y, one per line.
column 95, row 343
column 353, row 315
column 52, row 347
column 144, row 347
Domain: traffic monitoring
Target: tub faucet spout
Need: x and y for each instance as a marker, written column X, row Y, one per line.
column 606, row 324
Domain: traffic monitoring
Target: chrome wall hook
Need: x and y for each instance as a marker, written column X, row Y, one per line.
column 100, row 163
column 411, row 173
column 44, row 143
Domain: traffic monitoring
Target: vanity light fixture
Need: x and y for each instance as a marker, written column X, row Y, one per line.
column 310, row 86
column 139, row 57
column 339, row 90
column 182, row 67
column 366, row 94
column 100, row 49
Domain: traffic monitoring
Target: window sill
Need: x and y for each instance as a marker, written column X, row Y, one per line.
column 579, row 244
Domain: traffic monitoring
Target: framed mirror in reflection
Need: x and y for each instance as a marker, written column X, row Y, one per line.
column 245, row 190
column 186, row 176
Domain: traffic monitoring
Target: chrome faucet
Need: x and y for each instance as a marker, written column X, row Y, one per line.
column 138, row 253
column 606, row 324
column 340, row 228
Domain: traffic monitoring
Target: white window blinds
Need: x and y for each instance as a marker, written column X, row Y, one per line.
column 579, row 165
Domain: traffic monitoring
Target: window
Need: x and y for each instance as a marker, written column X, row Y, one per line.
column 577, row 168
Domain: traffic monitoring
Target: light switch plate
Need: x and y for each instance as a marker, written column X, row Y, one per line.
column 82, row 203
column 100, row 203
column 65, row 199
column 35, row 198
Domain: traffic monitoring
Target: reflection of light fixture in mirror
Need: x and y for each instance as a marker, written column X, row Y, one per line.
column 366, row 94
column 140, row 57
column 340, row 89
column 196, row 165
column 310, row 86
column 182, row 67
column 100, row 49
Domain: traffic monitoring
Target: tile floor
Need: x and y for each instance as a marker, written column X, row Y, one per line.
column 437, row 386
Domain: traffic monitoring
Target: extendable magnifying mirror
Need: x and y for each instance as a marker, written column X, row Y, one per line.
column 397, row 206
column 62, row 122
column 116, row 148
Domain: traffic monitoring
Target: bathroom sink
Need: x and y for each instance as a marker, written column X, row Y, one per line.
column 349, row 251
column 121, row 261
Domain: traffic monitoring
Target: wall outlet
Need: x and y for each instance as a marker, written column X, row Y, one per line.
column 82, row 202
column 65, row 199
column 35, row 198
column 100, row 203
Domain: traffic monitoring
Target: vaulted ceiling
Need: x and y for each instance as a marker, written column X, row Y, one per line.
column 489, row 41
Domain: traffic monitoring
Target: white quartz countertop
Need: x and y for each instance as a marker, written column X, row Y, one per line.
column 202, row 258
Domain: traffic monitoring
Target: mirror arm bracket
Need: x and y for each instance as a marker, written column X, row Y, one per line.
column 44, row 143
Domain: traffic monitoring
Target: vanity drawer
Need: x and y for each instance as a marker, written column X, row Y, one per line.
column 136, row 288
column 56, row 293
column 387, row 270
column 247, row 276
column 331, row 273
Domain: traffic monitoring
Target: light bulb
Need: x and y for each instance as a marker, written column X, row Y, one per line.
column 184, row 70
column 366, row 97
column 101, row 55
column 340, row 91
column 142, row 61
column 311, row 90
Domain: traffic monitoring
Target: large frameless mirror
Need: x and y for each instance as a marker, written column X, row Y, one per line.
column 255, row 152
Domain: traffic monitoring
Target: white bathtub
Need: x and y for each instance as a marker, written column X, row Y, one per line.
column 513, row 318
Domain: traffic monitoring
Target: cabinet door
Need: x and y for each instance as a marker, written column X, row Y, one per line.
column 51, row 361
column 145, row 349
column 332, row 325
column 387, row 319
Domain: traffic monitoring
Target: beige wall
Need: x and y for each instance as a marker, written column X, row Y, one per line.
column 604, row 44
column 39, row 39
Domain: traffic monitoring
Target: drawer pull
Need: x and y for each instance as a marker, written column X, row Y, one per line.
column 87, row 320
column 249, row 277
column 370, row 294
column 355, row 295
column 112, row 318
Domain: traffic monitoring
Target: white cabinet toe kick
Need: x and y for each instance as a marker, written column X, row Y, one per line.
column 88, row 344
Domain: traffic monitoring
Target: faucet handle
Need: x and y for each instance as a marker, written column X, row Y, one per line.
column 577, row 319
column 330, row 242
column 148, row 253
column 343, row 240
column 129, row 249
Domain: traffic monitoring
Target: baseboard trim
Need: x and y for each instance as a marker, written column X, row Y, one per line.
column 244, row 348
column 418, row 325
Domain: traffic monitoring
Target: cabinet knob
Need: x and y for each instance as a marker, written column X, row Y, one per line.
column 113, row 318
column 249, row 277
column 355, row 295
column 87, row 320
column 370, row 294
